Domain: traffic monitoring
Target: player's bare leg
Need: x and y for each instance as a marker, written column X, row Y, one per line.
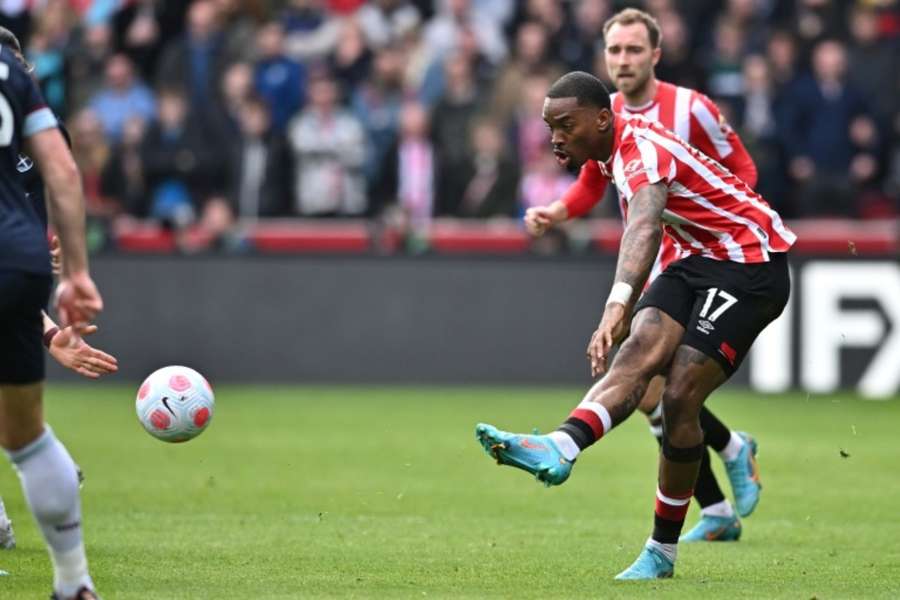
column 718, row 520
column 50, row 483
column 644, row 354
column 692, row 378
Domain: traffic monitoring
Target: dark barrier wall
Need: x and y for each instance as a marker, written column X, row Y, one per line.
column 362, row 319
column 457, row 320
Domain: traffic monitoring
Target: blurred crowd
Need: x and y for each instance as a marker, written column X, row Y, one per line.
column 206, row 112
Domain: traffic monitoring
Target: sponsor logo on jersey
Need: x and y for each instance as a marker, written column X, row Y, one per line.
column 24, row 164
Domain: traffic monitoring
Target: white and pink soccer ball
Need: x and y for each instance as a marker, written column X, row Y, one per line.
column 175, row 404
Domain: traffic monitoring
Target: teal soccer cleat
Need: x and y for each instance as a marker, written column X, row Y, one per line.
column 536, row 454
column 714, row 529
column 650, row 564
column 744, row 475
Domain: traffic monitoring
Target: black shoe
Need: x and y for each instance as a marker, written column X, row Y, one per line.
column 82, row 594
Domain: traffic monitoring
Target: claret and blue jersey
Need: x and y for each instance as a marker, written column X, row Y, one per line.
column 23, row 112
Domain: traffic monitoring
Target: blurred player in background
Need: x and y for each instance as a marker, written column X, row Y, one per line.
column 632, row 40
column 696, row 321
column 48, row 474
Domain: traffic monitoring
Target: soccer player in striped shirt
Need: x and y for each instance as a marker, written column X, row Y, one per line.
column 696, row 321
column 632, row 39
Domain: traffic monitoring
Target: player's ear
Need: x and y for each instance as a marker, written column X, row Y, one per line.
column 655, row 55
column 604, row 120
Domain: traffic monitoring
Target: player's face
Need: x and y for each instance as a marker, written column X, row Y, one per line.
column 577, row 133
column 629, row 57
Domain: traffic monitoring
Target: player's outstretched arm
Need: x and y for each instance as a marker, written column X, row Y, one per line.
column 538, row 219
column 637, row 252
column 578, row 201
column 77, row 297
column 74, row 353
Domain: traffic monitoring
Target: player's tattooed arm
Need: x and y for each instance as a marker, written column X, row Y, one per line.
column 642, row 237
column 640, row 245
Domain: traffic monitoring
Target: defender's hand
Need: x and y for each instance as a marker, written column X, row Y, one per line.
column 612, row 330
column 77, row 301
column 74, row 353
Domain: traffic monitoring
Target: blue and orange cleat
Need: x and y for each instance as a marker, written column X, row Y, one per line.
column 536, row 454
column 650, row 564
column 744, row 475
column 714, row 529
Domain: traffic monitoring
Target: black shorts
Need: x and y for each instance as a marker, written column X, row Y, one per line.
column 722, row 305
column 23, row 296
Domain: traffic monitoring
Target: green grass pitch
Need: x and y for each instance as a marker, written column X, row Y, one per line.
column 384, row 493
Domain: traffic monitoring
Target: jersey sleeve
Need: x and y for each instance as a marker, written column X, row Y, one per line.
column 36, row 115
column 587, row 191
column 712, row 134
column 645, row 163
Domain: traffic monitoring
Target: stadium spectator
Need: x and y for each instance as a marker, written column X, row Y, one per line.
column 46, row 54
column 490, row 176
column 387, row 21
column 86, row 59
column 196, row 60
column 527, row 126
column 142, row 28
column 869, row 59
column 260, row 165
column 123, row 176
column 239, row 20
column 442, row 31
column 221, row 120
column 552, row 16
column 544, row 182
column 123, row 97
column 758, row 129
column 351, row 61
column 830, row 135
column 453, row 115
column 582, row 41
column 404, row 188
column 724, row 78
column 530, row 58
column 675, row 63
column 377, row 104
column 277, row 78
column 178, row 162
column 92, row 154
column 311, row 33
column 781, row 52
column 329, row 149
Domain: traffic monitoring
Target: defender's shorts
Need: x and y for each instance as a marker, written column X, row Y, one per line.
column 23, row 296
column 722, row 305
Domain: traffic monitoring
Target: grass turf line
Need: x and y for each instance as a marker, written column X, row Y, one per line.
column 351, row 492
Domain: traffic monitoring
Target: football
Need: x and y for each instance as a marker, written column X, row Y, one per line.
column 175, row 404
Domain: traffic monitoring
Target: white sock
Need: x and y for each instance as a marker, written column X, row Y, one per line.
column 3, row 517
column 719, row 509
column 670, row 551
column 50, row 482
column 565, row 443
column 733, row 448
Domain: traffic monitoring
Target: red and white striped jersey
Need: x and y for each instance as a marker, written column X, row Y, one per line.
column 695, row 118
column 709, row 210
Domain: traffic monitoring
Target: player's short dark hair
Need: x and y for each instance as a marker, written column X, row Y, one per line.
column 630, row 16
column 584, row 87
column 8, row 38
